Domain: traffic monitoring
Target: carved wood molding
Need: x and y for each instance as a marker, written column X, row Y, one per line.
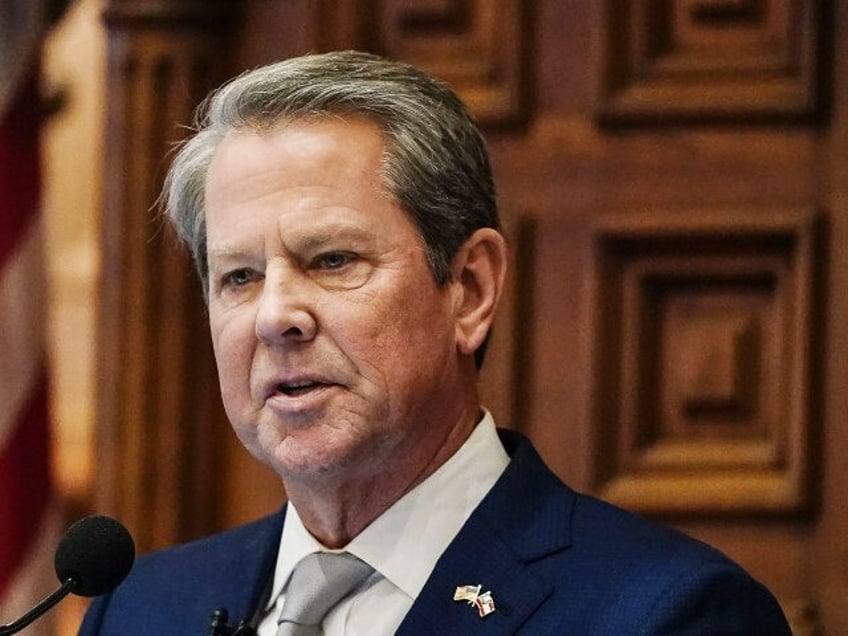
column 703, row 369
column 165, row 13
column 158, row 413
column 477, row 46
column 709, row 60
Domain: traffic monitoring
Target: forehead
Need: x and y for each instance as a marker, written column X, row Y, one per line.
column 330, row 152
column 301, row 172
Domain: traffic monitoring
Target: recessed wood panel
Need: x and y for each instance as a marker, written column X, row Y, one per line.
column 709, row 60
column 477, row 46
column 702, row 367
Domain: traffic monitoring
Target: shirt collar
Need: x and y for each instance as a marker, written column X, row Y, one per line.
column 404, row 543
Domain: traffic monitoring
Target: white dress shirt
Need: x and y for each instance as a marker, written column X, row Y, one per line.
column 402, row 545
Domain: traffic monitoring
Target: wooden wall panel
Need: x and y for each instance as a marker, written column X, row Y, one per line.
column 702, row 365
column 661, row 338
column 158, row 404
column 478, row 46
column 710, row 60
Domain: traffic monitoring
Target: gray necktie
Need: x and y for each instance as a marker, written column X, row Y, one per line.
column 318, row 583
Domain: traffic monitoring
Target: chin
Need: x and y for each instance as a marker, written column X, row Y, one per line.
column 305, row 456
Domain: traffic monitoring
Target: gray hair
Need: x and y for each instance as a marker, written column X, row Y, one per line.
column 435, row 163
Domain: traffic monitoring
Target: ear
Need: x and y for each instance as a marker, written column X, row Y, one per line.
column 479, row 270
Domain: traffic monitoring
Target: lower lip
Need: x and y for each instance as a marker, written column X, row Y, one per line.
column 301, row 401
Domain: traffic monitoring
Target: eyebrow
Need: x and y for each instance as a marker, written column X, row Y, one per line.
column 309, row 241
column 329, row 234
column 226, row 253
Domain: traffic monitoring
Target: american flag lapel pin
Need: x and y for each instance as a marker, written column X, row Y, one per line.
column 484, row 602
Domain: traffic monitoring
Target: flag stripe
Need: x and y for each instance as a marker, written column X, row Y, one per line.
column 24, row 475
column 27, row 513
column 19, row 167
column 22, row 319
column 36, row 576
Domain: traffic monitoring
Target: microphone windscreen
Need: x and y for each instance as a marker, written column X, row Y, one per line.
column 96, row 554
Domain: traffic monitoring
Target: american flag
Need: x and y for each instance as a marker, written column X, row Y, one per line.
column 485, row 602
column 27, row 517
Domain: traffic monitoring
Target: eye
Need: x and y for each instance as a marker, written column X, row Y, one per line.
column 334, row 260
column 239, row 277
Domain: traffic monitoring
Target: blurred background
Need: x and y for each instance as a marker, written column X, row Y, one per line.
column 673, row 180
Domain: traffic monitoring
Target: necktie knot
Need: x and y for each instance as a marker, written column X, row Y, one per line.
column 319, row 582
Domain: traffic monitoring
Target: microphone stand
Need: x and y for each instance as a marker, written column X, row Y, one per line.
column 15, row 626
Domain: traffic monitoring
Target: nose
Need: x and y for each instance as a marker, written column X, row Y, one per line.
column 285, row 312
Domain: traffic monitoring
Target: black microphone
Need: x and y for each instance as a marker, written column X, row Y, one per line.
column 93, row 557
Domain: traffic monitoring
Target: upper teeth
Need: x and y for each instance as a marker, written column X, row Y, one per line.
column 297, row 385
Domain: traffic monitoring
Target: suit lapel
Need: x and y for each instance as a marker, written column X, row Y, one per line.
column 476, row 560
column 513, row 526
column 245, row 572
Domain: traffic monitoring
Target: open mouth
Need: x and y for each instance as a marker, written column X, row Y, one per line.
column 294, row 389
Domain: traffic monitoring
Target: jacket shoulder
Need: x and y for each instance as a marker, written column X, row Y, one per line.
column 175, row 590
column 612, row 571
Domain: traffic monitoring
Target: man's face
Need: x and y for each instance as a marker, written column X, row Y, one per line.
column 336, row 349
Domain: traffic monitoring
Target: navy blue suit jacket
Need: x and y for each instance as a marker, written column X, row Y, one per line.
column 556, row 562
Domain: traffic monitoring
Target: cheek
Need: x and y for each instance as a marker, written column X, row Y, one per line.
column 233, row 343
column 411, row 334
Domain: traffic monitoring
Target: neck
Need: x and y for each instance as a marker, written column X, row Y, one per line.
column 335, row 510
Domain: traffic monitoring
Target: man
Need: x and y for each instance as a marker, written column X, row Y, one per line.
column 341, row 213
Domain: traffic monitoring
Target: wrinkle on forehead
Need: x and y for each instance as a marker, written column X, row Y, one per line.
column 297, row 142
column 308, row 166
